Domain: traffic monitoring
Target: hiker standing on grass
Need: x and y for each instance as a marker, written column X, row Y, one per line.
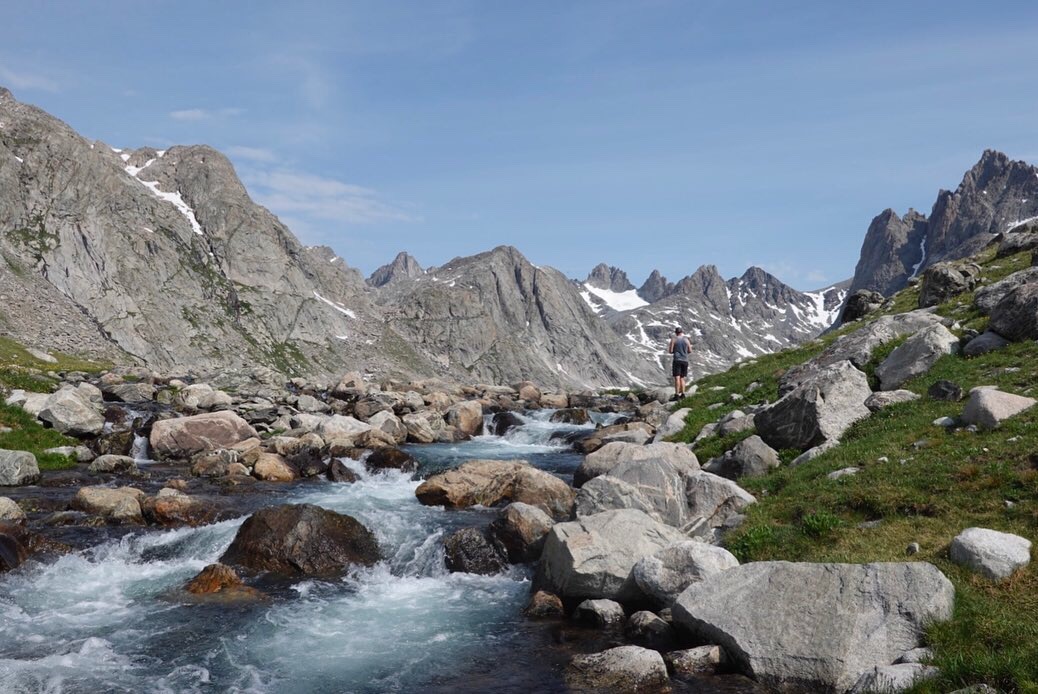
column 679, row 346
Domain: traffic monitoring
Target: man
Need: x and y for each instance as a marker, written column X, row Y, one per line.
column 679, row 346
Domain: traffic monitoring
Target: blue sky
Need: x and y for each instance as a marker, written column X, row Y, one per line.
column 651, row 134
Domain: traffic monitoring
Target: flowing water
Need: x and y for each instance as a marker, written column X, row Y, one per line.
column 109, row 618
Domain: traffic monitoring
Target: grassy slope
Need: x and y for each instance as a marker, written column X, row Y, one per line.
column 923, row 483
column 20, row 370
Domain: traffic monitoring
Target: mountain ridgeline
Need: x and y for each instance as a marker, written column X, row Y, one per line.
column 161, row 258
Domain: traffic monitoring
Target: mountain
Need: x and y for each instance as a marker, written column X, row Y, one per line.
column 655, row 287
column 404, row 266
column 728, row 320
column 994, row 196
column 496, row 317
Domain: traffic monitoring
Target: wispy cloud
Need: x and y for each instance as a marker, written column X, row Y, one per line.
column 298, row 195
column 314, row 83
column 18, row 79
column 251, row 153
column 197, row 114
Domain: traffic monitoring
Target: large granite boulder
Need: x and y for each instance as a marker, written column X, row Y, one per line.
column 942, row 281
column 990, row 553
column 1024, row 238
column 987, row 341
column 859, row 304
column 673, row 424
column 655, row 487
column 629, row 432
column 820, row 409
column 620, row 669
column 751, row 457
column 122, row 505
column 1015, row 317
column 388, row 423
column 521, row 530
column 612, row 454
column 663, row 576
column 18, row 468
column 466, row 417
column 71, row 412
column 295, row 540
column 474, row 551
column 988, row 407
column 491, row 482
column 715, row 500
column 815, row 627
column 915, row 356
column 184, row 437
column 987, row 298
column 592, row 557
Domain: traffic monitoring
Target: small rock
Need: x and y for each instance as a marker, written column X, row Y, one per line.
column 945, row 390
column 18, row 468
column 544, row 605
column 913, row 548
column 220, row 579
column 995, row 555
column 623, row 669
column 843, row 472
column 113, row 464
column 9, row 510
column 695, row 661
column 946, row 422
column 647, row 629
column 600, row 613
column 474, row 551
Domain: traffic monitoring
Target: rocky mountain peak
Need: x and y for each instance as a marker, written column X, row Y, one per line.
column 403, row 266
column 655, row 287
column 608, row 277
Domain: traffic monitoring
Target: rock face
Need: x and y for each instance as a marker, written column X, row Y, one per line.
column 184, row 437
column 295, row 540
column 621, row 669
column 1015, row 317
column 592, row 557
column 820, row 409
column 403, row 267
column 815, row 627
column 915, row 356
column 18, row 468
column 992, row 194
column 988, row 407
column 491, row 482
column 665, row 575
column 990, row 553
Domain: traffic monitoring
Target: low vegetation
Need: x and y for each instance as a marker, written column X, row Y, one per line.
column 917, row 483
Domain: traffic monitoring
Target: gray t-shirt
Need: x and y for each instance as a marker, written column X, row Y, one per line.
column 682, row 346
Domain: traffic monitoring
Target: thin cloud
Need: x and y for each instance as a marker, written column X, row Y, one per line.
column 298, row 195
column 197, row 114
column 252, row 153
column 27, row 80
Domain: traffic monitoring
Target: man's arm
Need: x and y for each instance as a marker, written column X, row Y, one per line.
column 670, row 346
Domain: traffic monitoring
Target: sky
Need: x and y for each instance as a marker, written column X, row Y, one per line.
column 648, row 134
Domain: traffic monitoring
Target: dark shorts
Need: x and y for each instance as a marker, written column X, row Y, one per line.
column 680, row 368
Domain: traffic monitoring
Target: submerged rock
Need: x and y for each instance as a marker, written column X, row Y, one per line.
column 296, row 540
column 221, row 581
column 622, row 669
column 474, row 551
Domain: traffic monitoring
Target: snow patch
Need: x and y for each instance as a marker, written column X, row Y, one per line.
column 1009, row 226
column 174, row 198
column 922, row 258
column 618, row 301
column 337, row 306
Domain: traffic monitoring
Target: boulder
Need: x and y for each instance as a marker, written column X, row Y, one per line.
column 72, row 413
column 491, row 482
column 466, row 417
column 18, row 468
column 942, row 281
column 989, row 407
column 612, row 454
column 374, row 438
column 9, row 510
column 600, row 613
column 986, row 298
column 1015, row 317
column 915, row 356
column 663, row 576
column 945, row 390
column 990, row 553
column 418, row 428
column 892, row 679
column 271, row 467
column 13, row 546
column 734, row 425
column 815, row 627
column 296, row 540
column 338, row 471
column 130, row 392
column 886, row 398
column 173, row 508
column 521, row 530
column 388, row 423
column 592, row 557
column 655, row 487
column 695, row 661
column 621, row 669
column 501, row 422
column 474, row 551
column 987, row 341
column 630, row 432
column 820, row 409
column 308, row 403
column 544, row 605
column 339, row 426
column 751, row 457
column 221, row 581
column 390, row 459
column 215, row 463
column 113, row 464
column 121, row 505
column 529, row 392
column 1017, row 242
column 715, row 500
column 859, row 304
column 647, row 629
column 186, row 437
column 673, row 424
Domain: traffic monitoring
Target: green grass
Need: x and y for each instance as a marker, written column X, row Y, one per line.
column 923, row 484
column 27, row 434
